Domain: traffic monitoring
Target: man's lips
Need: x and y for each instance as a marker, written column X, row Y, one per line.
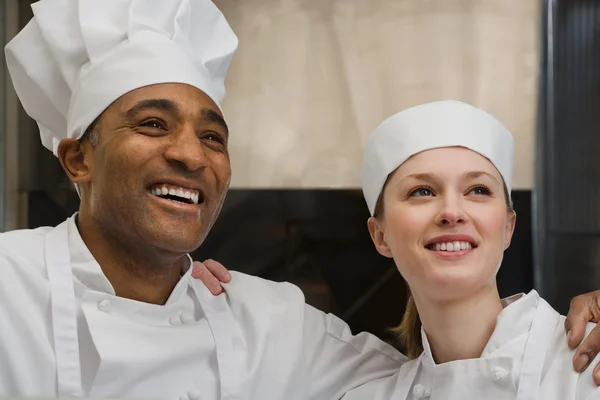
column 176, row 192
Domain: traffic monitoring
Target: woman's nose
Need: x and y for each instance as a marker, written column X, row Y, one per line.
column 451, row 213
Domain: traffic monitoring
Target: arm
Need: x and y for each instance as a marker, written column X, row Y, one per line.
column 330, row 360
column 338, row 361
column 584, row 308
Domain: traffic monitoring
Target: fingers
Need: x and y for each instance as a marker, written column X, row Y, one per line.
column 580, row 312
column 597, row 374
column 218, row 270
column 587, row 351
column 575, row 328
column 200, row 271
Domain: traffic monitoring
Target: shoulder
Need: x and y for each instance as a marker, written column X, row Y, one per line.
column 254, row 289
column 386, row 387
column 23, row 250
column 267, row 303
column 559, row 375
column 284, row 303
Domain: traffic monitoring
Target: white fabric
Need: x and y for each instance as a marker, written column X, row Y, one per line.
column 430, row 126
column 259, row 341
column 499, row 373
column 76, row 57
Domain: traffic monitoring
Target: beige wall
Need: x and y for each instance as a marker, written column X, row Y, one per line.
column 313, row 77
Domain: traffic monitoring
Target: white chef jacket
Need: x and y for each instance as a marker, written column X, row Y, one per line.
column 526, row 358
column 64, row 332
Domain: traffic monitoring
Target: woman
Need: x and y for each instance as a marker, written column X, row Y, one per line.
column 437, row 181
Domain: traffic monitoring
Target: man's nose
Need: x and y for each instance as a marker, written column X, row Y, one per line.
column 187, row 151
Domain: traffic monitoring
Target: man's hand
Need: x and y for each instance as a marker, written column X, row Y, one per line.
column 211, row 273
column 584, row 308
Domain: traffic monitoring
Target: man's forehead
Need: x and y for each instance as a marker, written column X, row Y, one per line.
column 179, row 94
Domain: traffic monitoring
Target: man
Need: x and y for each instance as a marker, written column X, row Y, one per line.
column 126, row 94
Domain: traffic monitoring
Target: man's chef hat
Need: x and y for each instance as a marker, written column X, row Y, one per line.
column 430, row 126
column 76, row 57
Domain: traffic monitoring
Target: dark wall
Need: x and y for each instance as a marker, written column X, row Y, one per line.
column 568, row 171
column 318, row 239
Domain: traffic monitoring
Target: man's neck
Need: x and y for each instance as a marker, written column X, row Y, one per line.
column 460, row 329
column 143, row 275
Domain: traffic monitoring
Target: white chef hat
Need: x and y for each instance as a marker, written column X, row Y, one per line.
column 430, row 126
column 76, row 57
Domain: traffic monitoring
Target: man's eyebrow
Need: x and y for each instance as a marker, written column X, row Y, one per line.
column 156, row 104
column 210, row 115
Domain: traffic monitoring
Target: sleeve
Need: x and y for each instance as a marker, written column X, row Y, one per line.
column 338, row 361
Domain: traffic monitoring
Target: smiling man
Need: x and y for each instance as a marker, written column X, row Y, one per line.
column 127, row 95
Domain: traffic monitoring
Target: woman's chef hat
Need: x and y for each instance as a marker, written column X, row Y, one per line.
column 430, row 126
column 76, row 57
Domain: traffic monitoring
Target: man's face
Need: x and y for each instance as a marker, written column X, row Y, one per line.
column 160, row 171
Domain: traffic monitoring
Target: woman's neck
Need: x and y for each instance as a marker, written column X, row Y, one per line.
column 460, row 329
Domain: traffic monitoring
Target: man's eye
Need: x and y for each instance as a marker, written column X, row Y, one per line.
column 213, row 136
column 154, row 124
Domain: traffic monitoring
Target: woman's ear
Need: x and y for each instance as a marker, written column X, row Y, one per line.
column 75, row 158
column 378, row 237
column 510, row 228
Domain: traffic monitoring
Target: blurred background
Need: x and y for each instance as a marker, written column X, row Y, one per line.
column 312, row 78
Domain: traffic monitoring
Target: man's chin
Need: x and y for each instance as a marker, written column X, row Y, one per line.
column 178, row 242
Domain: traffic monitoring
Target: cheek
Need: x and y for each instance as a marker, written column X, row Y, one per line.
column 405, row 227
column 494, row 225
column 222, row 169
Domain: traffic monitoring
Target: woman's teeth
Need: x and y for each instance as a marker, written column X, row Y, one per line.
column 452, row 246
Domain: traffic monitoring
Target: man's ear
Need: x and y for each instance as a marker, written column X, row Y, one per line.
column 378, row 238
column 75, row 158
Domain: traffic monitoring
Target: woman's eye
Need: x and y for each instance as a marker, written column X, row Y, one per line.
column 420, row 192
column 480, row 190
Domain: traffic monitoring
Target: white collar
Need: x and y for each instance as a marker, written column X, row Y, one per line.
column 512, row 322
column 87, row 270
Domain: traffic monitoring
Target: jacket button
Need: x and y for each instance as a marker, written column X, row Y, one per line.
column 104, row 306
column 187, row 318
column 194, row 394
column 420, row 391
column 175, row 320
column 184, row 397
column 499, row 373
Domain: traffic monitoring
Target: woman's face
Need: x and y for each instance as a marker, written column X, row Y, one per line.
column 445, row 222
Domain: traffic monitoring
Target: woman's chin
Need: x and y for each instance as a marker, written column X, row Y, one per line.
column 458, row 281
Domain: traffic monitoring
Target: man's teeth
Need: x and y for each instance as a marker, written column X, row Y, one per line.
column 192, row 195
column 452, row 246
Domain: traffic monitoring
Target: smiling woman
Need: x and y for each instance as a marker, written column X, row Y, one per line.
column 437, row 180
column 449, row 246
column 471, row 190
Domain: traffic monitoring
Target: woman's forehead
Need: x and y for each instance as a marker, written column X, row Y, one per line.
column 447, row 162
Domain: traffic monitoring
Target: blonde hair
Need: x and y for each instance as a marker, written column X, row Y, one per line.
column 408, row 332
